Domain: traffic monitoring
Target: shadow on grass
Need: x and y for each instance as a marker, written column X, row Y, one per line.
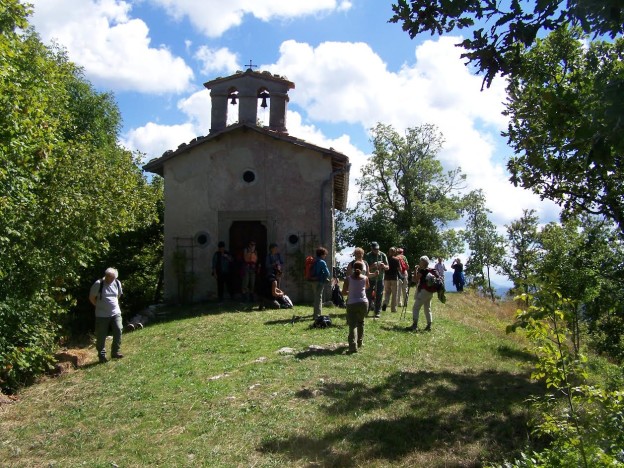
column 447, row 411
column 398, row 328
column 292, row 321
column 341, row 349
column 516, row 354
column 173, row 313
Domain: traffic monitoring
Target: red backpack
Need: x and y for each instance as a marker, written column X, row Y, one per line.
column 310, row 269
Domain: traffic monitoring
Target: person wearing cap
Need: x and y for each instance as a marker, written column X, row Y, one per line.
column 104, row 295
column 221, row 262
column 422, row 297
column 378, row 264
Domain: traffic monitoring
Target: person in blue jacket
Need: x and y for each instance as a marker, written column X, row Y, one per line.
column 321, row 272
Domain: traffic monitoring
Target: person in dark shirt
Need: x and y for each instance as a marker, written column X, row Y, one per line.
column 221, row 262
column 458, row 275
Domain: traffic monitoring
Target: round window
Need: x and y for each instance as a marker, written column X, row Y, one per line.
column 202, row 239
column 249, row 176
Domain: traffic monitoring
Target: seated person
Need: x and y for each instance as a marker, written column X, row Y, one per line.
column 271, row 296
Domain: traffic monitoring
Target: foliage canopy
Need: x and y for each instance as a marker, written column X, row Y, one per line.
column 406, row 197
column 66, row 189
column 513, row 26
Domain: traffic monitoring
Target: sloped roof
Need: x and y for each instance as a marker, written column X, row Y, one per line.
column 340, row 162
column 264, row 76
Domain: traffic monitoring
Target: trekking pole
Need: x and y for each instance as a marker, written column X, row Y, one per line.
column 409, row 285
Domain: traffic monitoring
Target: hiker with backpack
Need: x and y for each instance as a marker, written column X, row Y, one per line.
column 354, row 287
column 321, row 276
column 391, row 281
column 104, row 295
column 403, row 277
column 358, row 256
column 428, row 282
column 378, row 264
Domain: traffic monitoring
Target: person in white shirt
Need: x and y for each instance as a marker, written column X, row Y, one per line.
column 440, row 267
column 104, row 295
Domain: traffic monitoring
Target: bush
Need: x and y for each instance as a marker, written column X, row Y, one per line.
column 27, row 340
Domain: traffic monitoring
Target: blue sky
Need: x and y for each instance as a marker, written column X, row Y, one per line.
column 351, row 69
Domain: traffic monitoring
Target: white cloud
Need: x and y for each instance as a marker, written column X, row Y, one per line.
column 349, row 82
column 215, row 61
column 113, row 49
column 154, row 139
column 216, row 16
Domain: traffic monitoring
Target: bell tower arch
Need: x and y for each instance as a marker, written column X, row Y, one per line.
column 251, row 86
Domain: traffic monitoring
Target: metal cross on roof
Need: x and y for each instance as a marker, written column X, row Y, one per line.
column 251, row 65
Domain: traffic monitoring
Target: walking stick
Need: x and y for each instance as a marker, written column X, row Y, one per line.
column 406, row 298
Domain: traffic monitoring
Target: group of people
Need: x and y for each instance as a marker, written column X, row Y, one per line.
column 373, row 280
column 255, row 286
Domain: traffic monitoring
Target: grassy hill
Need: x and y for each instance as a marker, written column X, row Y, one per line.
column 209, row 386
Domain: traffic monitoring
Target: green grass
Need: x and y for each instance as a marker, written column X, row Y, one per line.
column 210, row 389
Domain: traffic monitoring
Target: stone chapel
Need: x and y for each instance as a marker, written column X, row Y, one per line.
column 245, row 181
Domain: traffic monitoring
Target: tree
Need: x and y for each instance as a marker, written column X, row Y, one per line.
column 523, row 252
column 566, row 127
column 66, row 190
column 487, row 247
column 514, row 25
column 406, row 198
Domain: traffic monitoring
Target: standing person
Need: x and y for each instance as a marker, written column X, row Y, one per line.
column 104, row 295
column 321, row 272
column 250, row 265
column 440, row 267
column 358, row 256
column 423, row 296
column 221, row 263
column 391, row 281
column 403, row 278
column 458, row 275
column 378, row 264
column 273, row 259
column 355, row 286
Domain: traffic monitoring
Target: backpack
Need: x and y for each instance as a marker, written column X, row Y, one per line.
column 322, row 321
column 403, row 265
column 337, row 298
column 432, row 282
column 310, row 269
column 102, row 285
